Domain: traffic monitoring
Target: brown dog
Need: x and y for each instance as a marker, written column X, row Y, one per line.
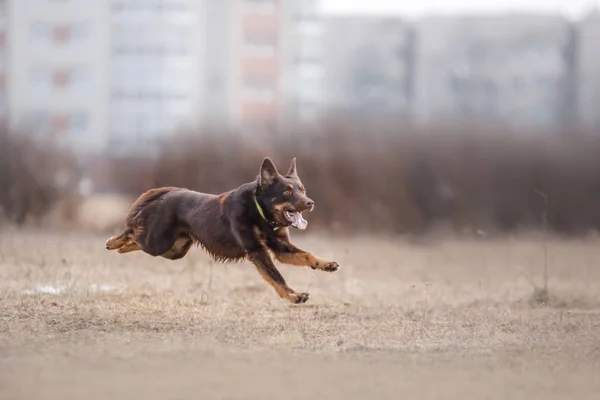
column 245, row 223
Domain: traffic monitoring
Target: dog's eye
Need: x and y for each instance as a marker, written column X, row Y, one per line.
column 287, row 192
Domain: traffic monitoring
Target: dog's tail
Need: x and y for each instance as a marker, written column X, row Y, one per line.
column 145, row 198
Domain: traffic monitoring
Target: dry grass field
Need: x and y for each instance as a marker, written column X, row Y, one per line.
column 452, row 319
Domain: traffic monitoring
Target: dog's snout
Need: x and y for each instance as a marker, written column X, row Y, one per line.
column 309, row 203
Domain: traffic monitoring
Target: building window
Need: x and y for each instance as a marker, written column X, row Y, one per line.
column 78, row 124
column 259, row 51
column 310, row 71
column 60, row 79
column 45, row 34
column 263, row 95
column 149, row 5
column 41, row 80
column 144, row 39
column 260, row 38
column 260, row 45
column 59, row 123
column 61, row 34
column 262, row 7
column 40, row 121
column 73, row 124
column 40, row 34
column 259, row 89
column 310, row 28
column 79, row 80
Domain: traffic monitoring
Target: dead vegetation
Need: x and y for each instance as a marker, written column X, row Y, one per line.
column 365, row 176
column 34, row 177
column 373, row 177
column 409, row 297
column 454, row 308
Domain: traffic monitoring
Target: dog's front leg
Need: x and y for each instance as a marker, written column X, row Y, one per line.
column 253, row 242
column 266, row 268
column 287, row 253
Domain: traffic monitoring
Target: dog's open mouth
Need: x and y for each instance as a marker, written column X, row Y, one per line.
column 295, row 218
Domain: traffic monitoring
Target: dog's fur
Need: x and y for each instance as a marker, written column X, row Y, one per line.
column 167, row 221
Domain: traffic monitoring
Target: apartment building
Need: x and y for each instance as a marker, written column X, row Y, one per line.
column 589, row 70
column 156, row 71
column 368, row 68
column 257, row 67
column 221, row 31
column 121, row 75
column 303, row 61
column 501, row 68
column 106, row 75
column 3, row 60
column 263, row 60
column 57, row 63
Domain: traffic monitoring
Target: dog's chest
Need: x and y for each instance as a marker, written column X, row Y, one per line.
column 222, row 247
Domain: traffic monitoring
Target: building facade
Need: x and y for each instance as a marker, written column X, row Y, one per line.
column 368, row 67
column 57, row 59
column 262, row 62
column 257, row 99
column 220, row 61
column 3, row 60
column 589, row 70
column 303, row 61
column 122, row 76
column 156, row 71
column 492, row 69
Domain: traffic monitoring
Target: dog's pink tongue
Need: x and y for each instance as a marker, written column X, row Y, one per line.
column 299, row 222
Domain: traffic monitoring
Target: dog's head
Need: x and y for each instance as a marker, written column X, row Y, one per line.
column 283, row 196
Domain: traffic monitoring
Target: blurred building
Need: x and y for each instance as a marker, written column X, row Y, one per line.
column 303, row 61
column 121, row 76
column 503, row 68
column 368, row 65
column 263, row 62
column 257, row 62
column 589, row 70
column 157, row 67
column 220, row 61
column 56, row 61
column 3, row 59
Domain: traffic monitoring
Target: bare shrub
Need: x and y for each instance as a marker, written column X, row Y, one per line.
column 34, row 176
column 387, row 176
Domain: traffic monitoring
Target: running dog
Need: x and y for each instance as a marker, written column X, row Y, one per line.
column 245, row 223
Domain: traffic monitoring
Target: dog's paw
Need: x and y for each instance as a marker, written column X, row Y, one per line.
column 299, row 298
column 109, row 244
column 331, row 266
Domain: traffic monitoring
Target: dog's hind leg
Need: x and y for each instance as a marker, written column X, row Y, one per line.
column 179, row 249
column 116, row 242
column 158, row 241
column 129, row 247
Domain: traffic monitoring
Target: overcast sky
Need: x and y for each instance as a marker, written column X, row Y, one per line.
column 416, row 8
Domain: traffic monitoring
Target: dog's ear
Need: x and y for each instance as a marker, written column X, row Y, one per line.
column 268, row 172
column 292, row 172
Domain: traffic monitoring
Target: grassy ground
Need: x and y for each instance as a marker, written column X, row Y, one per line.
column 453, row 319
